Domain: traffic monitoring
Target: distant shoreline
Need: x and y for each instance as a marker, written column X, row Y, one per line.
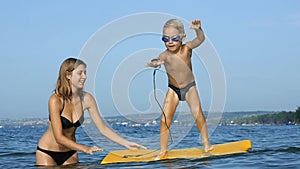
column 244, row 118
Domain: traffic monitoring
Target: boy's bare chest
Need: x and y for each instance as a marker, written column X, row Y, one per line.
column 178, row 61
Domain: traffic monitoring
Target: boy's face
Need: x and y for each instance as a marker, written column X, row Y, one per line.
column 172, row 38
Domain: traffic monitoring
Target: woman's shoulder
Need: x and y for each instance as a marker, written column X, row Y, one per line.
column 55, row 99
column 87, row 96
column 88, row 100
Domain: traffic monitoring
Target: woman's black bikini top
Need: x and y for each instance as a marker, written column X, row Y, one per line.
column 66, row 123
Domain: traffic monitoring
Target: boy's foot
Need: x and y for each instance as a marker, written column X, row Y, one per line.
column 161, row 155
column 208, row 148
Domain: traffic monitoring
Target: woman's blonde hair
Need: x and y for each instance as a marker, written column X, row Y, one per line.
column 63, row 85
column 175, row 23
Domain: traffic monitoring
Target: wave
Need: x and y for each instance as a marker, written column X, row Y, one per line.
column 281, row 150
column 17, row 154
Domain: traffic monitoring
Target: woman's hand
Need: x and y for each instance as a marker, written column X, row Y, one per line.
column 92, row 149
column 134, row 146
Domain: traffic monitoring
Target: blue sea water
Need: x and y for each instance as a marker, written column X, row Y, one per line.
column 272, row 146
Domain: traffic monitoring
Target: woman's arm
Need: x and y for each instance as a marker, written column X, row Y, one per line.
column 101, row 126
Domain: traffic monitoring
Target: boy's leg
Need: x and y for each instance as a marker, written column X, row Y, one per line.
column 171, row 102
column 193, row 100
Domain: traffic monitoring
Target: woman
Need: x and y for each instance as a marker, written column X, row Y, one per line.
column 66, row 107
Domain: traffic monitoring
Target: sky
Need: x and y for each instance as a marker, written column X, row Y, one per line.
column 256, row 43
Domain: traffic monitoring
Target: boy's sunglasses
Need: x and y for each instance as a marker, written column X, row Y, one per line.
column 174, row 38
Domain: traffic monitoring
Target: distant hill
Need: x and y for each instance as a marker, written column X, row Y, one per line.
column 241, row 114
column 262, row 118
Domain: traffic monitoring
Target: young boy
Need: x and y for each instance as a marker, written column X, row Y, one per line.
column 182, row 86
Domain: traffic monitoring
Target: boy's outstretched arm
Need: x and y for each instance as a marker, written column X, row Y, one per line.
column 196, row 25
column 155, row 63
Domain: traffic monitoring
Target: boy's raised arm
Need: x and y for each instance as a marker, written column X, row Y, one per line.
column 196, row 25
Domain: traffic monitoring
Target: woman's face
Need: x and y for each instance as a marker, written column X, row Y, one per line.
column 78, row 77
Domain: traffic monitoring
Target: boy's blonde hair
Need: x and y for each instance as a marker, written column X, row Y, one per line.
column 175, row 23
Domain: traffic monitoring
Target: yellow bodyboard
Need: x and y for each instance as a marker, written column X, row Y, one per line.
column 121, row 156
